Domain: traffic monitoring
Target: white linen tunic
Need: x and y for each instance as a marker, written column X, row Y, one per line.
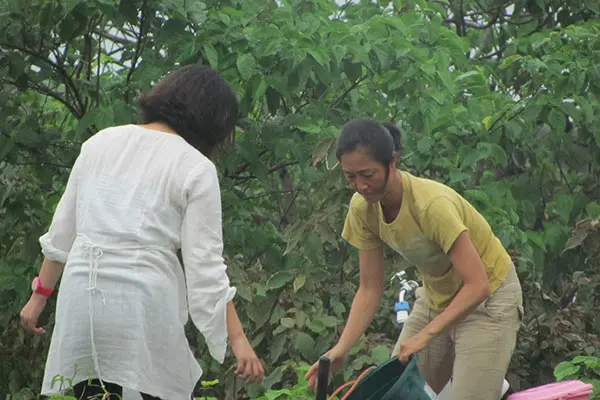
column 133, row 198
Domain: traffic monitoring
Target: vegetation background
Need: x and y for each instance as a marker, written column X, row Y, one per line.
column 496, row 98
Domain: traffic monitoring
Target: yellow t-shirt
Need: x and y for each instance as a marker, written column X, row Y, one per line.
column 431, row 218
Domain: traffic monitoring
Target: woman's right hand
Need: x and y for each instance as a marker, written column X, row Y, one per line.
column 31, row 312
column 337, row 357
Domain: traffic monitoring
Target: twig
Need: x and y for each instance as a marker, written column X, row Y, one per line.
column 494, row 54
column 289, row 207
column 562, row 173
column 341, row 99
column 471, row 24
column 138, row 50
column 267, row 194
column 43, row 163
column 98, row 71
column 66, row 79
column 114, row 38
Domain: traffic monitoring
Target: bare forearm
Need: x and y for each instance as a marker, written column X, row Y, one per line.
column 50, row 273
column 234, row 325
column 465, row 302
column 365, row 305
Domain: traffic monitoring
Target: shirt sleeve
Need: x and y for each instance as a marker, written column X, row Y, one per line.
column 356, row 231
column 442, row 222
column 56, row 243
column 208, row 288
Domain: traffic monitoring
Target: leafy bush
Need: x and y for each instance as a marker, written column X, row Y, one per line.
column 501, row 105
column 586, row 369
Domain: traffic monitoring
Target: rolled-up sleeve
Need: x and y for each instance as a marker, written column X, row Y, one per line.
column 56, row 243
column 208, row 286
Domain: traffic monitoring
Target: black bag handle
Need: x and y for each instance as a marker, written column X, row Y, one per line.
column 323, row 378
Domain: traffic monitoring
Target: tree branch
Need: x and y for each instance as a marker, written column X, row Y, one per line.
column 267, row 194
column 494, row 54
column 289, row 207
column 244, row 167
column 138, row 51
column 43, row 164
column 471, row 24
column 60, row 70
column 562, row 173
column 55, row 95
column 341, row 99
column 114, row 38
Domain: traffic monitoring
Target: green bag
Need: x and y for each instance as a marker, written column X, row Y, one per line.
column 392, row 380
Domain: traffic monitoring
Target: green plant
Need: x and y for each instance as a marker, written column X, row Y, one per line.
column 584, row 368
column 299, row 391
column 497, row 99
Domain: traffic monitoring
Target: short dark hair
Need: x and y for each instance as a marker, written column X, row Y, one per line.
column 378, row 140
column 195, row 102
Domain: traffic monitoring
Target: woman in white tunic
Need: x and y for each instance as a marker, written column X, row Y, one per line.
column 136, row 195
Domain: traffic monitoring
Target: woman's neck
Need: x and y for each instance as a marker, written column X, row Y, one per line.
column 392, row 199
column 159, row 126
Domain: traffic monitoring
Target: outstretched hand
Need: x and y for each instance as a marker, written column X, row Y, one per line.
column 337, row 358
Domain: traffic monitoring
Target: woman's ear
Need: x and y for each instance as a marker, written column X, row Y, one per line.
column 394, row 161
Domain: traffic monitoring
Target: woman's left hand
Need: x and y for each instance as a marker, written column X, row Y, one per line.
column 249, row 367
column 412, row 345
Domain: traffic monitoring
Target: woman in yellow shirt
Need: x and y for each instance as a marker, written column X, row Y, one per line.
column 466, row 316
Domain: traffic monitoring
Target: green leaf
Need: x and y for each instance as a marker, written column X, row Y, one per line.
column 287, row 322
column 299, row 282
column 565, row 370
column 246, row 65
column 588, row 361
column 487, row 122
column 316, row 326
column 424, row 145
column 260, row 90
column 446, row 80
column 211, row 55
column 69, row 5
column 300, row 318
column 273, row 100
column 305, row 344
column 322, row 149
column 498, row 154
column 319, row 55
column 274, row 377
column 353, row 70
column 196, row 11
column 310, row 128
column 467, row 75
column 328, row 321
column 6, row 146
column 557, row 120
column 128, row 9
column 279, row 279
column 277, row 347
column 245, row 292
column 380, row 353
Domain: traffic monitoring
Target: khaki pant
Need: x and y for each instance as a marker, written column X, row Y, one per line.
column 477, row 351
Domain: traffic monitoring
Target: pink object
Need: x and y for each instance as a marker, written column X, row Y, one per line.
column 566, row 390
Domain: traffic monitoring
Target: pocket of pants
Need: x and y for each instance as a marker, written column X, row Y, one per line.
column 503, row 312
column 521, row 311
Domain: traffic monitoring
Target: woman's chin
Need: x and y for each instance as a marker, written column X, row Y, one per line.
column 370, row 198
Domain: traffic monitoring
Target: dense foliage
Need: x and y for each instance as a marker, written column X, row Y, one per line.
column 497, row 98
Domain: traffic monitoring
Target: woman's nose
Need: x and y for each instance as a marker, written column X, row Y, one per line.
column 361, row 184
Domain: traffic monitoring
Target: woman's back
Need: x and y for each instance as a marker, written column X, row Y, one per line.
column 130, row 188
column 132, row 185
